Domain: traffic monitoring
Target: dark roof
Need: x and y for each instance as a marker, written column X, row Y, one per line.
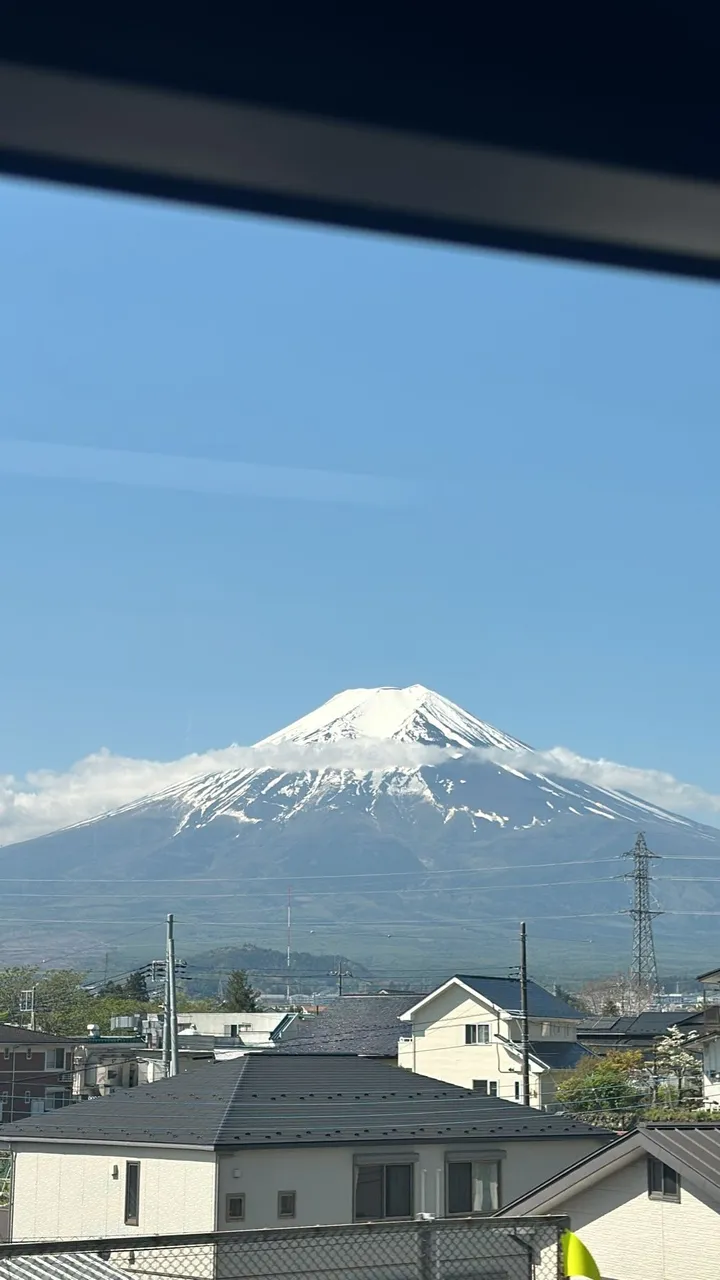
column 268, row 1100
column 505, row 993
column 10, row 1034
column 352, row 1024
column 633, row 1026
column 693, row 1150
column 558, row 1055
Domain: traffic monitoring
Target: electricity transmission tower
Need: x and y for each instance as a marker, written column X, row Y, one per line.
column 644, row 963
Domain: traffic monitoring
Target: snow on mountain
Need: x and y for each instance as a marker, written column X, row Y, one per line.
column 415, row 714
column 386, row 782
column 368, row 729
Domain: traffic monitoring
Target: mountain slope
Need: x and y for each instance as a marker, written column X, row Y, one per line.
column 393, row 812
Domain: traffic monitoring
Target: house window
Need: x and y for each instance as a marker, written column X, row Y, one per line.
column 486, row 1088
column 286, row 1204
column 55, row 1099
column 234, row 1208
column 231, row 1030
column 477, row 1033
column 6, row 1053
column 28, row 1096
column 132, row 1192
column 28, row 1054
column 55, row 1060
column 472, row 1187
column 663, row 1182
column 383, row 1191
column 517, row 1090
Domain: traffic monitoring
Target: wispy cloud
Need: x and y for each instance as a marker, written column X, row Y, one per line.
column 199, row 475
column 44, row 801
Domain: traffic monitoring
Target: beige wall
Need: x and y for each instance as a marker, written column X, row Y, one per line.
column 323, row 1177
column 633, row 1237
column 438, row 1047
column 70, row 1191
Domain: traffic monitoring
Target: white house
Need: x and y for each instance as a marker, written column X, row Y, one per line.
column 262, row 1029
column 267, row 1141
column 468, row 1032
column 647, row 1206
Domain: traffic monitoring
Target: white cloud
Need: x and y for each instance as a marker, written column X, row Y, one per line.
column 198, row 475
column 45, row 800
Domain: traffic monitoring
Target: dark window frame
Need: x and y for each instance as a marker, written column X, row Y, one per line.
column 284, row 1213
column 490, row 1090
column 663, row 1181
column 132, row 1194
column 235, row 1217
column 384, row 1165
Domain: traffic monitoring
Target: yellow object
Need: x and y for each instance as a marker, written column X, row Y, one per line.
column 578, row 1262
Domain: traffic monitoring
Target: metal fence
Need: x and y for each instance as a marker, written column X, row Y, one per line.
column 434, row 1249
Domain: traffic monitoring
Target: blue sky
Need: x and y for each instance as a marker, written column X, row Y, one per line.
column 556, row 572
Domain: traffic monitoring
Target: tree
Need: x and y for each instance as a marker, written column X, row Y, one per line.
column 604, row 1085
column 239, row 994
column 572, row 998
column 675, row 1058
column 615, row 995
column 136, row 988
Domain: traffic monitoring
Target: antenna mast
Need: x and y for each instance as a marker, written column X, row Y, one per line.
column 644, row 962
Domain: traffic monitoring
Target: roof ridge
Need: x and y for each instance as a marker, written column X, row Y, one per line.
column 240, row 1077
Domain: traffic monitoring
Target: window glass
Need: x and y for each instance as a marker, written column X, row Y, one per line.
column 398, row 1191
column 132, row 1192
column 383, row 1191
column 472, row 1187
column 369, row 1191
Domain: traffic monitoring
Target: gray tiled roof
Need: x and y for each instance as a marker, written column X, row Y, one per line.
column 270, row 1100
column 10, row 1034
column 505, row 993
column 352, row 1024
column 636, row 1025
column 558, row 1055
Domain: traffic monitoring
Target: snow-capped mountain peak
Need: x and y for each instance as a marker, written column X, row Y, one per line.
column 388, row 714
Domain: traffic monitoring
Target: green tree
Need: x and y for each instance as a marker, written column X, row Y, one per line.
column 604, row 1085
column 240, row 997
column 136, row 988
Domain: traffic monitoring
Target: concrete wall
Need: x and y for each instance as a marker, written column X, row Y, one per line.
column 69, row 1191
column 323, row 1177
column 633, row 1237
column 250, row 1024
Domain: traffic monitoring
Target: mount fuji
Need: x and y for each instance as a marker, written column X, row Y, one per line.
column 405, row 826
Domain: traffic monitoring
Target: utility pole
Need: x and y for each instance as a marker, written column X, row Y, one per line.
column 289, row 944
column 340, row 973
column 172, row 998
column 644, row 962
column 524, row 1024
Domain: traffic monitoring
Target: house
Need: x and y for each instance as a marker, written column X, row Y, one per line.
column 271, row 1140
column 35, row 1071
column 468, row 1032
column 647, row 1206
column 366, row 1024
column 257, row 1030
